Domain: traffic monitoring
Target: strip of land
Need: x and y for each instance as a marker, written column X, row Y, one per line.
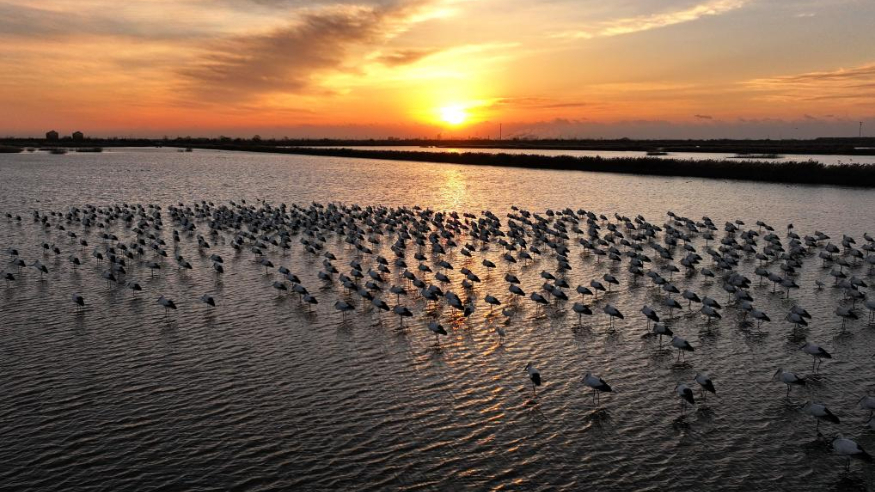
column 822, row 146
column 798, row 172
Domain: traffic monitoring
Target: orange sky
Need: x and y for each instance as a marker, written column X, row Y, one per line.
column 555, row 68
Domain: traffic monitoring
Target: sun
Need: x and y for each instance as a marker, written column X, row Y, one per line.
column 454, row 115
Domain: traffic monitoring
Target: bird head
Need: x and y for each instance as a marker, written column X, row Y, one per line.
column 777, row 373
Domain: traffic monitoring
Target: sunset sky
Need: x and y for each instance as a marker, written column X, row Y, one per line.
column 555, row 68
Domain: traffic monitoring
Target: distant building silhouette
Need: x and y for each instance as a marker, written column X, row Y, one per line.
column 51, row 135
column 78, row 136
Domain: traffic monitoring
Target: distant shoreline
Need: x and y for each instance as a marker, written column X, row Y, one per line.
column 796, row 172
column 820, row 146
column 789, row 172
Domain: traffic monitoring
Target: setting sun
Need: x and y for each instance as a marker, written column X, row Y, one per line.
column 454, row 115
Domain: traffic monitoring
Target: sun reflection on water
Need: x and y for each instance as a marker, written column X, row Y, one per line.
column 454, row 190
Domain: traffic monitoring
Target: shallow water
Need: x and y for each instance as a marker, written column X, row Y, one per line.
column 259, row 394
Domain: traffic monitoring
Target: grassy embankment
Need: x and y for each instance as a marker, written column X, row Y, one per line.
column 801, row 172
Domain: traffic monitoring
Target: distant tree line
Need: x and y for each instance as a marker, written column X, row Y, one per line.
column 841, row 146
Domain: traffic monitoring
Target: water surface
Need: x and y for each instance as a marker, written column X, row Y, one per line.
column 260, row 394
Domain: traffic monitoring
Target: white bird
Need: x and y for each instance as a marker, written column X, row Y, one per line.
column 650, row 314
column 845, row 313
column 820, row 412
column 581, row 309
column 598, row 386
column 686, row 396
column 660, row 329
column 846, row 447
column 492, row 300
column 310, row 300
column 79, row 301
column 817, row 354
column 706, row 384
column 790, row 379
column 402, row 313
column 612, row 313
column 535, row 376
column 437, row 329
column 868, row 403
column 343, row 307
column 500, row 332
column 711, row 313
column 166, row 303
column 682, row 346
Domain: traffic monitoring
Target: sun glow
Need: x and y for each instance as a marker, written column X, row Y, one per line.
column 453, row 115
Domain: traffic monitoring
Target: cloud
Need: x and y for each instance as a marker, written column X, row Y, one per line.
column 654, row 21
column 404, row 57
column 856, row 83
column 703, row 116
column 538, row 103
column 39, row 24
column 288, row 59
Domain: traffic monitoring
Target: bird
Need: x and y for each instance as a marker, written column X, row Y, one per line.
column 817, row 354
column 166, row 303
column 134, row 286
column 820, row 412
column 402, row 313
column 581, row 309
column 846, row 447
column 343, row 307
column 660, row 329
column 310, row 300
column 280, row 287
column 598, row 386
column 79, row 301
column 535, row 376
column 492, row 301
column 868, row 403
column 845, row 313
column 650, row 314
column 686, row 396
column 437, row 329
column 208, row 300
column 706, row 384
column 500, row 332
column 790, row 379
column 682, row 345
column 612, row 313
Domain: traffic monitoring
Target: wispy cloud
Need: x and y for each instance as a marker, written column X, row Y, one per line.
column 856, row 83
column 404, row 56
column 538, row 103
column 654, row 21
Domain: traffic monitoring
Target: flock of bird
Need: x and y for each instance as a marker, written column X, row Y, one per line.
column 652, row 252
